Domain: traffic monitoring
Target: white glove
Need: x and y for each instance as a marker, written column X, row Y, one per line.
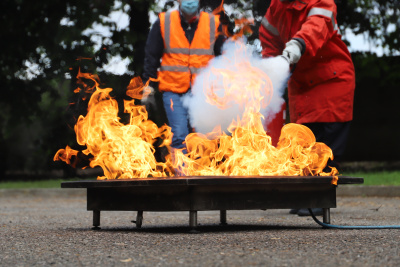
column 148, row 91
column 292, row 51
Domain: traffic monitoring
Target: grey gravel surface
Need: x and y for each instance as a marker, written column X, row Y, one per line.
column 52, row 228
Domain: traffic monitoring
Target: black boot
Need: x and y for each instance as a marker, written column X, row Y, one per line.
column 315, row 211
column 294, row 211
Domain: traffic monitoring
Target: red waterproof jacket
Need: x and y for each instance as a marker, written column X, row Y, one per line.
column 321, row 88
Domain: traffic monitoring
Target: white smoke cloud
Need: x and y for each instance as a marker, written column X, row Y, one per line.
column 236, row 60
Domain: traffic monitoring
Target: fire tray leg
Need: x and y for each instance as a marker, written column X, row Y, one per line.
column 326, row 216
column 96, row 220
column 193, row 219
column 222, row 217
column 139, row 219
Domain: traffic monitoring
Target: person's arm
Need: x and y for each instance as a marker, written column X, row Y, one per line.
column 319, row 26
column 271, row 42
column 153, row 53
column 219, row 42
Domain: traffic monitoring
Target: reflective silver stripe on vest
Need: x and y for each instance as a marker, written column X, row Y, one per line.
column 193, row 70
column 322, row 12
column 167, row 31
column 265, row 23
column 187, row 51
column 175, row 68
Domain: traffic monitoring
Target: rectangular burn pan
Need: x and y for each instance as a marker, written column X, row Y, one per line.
column 210, row 193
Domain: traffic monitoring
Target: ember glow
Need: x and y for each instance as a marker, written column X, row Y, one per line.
column 240, row 147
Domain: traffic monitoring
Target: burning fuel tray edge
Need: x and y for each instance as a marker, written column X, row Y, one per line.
column 202, row 193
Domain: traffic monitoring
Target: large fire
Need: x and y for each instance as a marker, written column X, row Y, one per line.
column 122, row 151
column 126, row 151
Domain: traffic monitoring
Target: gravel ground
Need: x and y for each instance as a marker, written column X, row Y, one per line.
column 39, row 229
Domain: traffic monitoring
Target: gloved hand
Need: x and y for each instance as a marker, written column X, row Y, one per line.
column 292, row 51
column 148, row 95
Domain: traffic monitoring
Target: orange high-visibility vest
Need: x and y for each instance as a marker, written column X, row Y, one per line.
column 181, row 61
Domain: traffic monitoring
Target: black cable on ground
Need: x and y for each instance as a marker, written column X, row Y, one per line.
column 326, row 225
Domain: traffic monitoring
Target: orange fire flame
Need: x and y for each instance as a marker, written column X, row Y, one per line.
column 126, row 150
column 122, row 151
column 242, row 24
column 66, row 155
column 248, row 152
column 219, row 9
column 247, row 149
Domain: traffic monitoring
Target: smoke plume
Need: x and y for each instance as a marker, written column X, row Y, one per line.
column 239, row 68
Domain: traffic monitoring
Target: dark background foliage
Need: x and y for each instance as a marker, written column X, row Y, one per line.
column 44, row 43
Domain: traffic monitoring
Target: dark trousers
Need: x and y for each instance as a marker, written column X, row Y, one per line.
column 334, row 135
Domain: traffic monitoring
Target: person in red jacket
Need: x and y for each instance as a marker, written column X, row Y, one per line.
column 321, row 88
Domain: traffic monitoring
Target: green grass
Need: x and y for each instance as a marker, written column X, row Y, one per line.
column 36, row 184
column 370, row 178
column 377, row 178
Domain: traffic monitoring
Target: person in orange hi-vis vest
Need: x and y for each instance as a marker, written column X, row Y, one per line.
column 180, row 43
column 321, row 88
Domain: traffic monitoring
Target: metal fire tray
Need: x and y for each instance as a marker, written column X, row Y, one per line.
column 210, row 193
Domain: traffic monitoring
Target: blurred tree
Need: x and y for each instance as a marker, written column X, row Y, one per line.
column 377, row 20
column 46, row 42
column 44, row 45
column 41, row 41
column 375, row 131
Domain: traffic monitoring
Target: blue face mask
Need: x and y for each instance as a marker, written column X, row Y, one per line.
column 190, row 7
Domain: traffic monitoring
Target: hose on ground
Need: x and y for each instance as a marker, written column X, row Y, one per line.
column 326, row 225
